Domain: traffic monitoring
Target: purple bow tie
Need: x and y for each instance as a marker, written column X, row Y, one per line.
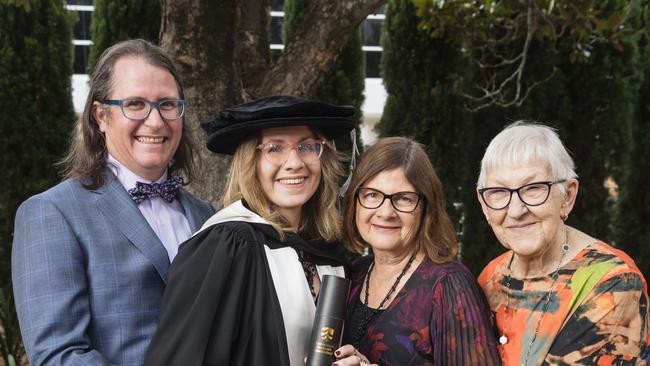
column 167, row 190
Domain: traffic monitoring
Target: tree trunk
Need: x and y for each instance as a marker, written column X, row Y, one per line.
column 253, row 53
column 201, row 36
column 222, row 50
column 320, row 37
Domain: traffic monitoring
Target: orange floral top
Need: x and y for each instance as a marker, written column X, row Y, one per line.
column 596, row 311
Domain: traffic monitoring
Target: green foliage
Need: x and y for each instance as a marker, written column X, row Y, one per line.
column 293, row 11
column 501, row 32
column 580, row 24
column 633, row 210
column 344, row 83
column 427, row 66
column 35, row 116
column 10, row 343
column 115, row 21
column 420, row 75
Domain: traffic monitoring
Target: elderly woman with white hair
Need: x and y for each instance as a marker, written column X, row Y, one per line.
column 560, row 296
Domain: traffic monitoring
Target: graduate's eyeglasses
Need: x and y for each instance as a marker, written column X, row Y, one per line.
column 308, row 151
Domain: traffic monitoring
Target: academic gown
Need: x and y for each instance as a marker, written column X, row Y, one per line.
column 223, row 305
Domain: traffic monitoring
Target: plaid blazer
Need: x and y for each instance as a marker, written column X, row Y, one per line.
column 89, row 274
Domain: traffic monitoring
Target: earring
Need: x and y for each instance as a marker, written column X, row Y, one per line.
column 564, row 216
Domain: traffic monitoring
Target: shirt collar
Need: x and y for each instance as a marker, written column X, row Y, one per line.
column 127, row 177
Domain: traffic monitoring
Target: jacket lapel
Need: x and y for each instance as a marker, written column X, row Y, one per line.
column 191, row 213
column 115, row 203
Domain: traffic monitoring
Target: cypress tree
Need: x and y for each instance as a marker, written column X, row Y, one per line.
column 595, row 116
column 345, row 83
column 422, row 76
column 633, row 210
column 36, row 115
column 115, row 21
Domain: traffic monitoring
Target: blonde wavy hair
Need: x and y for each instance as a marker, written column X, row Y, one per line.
column 319, row 218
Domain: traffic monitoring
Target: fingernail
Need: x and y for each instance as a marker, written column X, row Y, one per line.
column 337, row 354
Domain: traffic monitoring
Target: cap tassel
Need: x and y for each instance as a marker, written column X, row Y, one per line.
column 353, row 162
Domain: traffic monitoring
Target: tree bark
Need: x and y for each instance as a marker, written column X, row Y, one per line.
column 222, row 50
column 319, row 39
column 201, row 36
column 253, row 53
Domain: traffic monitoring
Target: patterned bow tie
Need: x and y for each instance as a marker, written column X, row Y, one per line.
column 166, row 190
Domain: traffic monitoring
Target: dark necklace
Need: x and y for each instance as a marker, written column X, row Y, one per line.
column 369, row 313
column 310, row 272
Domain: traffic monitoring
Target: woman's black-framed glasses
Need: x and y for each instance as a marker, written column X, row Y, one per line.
column 139, row 109
column 309, row 151
column 531, row 194
column 402, row 201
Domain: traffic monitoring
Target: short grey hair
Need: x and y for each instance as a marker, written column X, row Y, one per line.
column 528, row 142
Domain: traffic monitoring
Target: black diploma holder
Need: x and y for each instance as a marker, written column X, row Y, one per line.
column 327, row 332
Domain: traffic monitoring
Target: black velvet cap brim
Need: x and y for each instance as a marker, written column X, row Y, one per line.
column 227, row 139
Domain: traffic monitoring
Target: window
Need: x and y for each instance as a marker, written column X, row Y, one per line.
column 81, row 29
column 80, row 58
column 275, row 29
column 81, row 33
column 371, row 30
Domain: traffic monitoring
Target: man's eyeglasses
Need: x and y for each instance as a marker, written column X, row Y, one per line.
column 402, row 201
column 278, row 153
column 140, row 109
column 531, row 194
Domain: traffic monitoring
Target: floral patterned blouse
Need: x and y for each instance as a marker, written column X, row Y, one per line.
column 439, row 317
column 596, row 311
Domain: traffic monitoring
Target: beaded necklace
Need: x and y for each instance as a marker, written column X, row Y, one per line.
column 555, row 275
column 369, row 313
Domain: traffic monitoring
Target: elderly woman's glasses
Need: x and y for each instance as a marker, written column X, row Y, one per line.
column 531, row 194
column 140, row 109
column 308, row 151
column 402, row 201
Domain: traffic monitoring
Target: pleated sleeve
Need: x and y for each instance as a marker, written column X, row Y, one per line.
column 462, row 331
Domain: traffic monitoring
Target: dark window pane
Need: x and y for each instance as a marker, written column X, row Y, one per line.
column 80, row 2
column 80, row 59
column 82, row 27
column 275, row 31
column 276, row 5
column 373, row 60
column 275, row 55
column 371, row 29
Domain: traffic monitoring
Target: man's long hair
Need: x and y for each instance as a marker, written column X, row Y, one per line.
column 86, row 157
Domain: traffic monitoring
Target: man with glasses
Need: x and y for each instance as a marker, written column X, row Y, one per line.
column 91, row 255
